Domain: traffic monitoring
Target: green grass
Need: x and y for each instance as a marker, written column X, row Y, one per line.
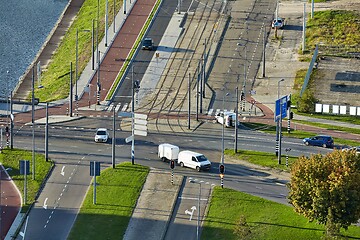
column 274, row 221
column 10, row 159
column 56, row 78
column 261, row 158
column 333, row 27
column 117, row 192
column 302, row 134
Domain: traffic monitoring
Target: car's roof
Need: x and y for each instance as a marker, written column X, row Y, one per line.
column 147, row 38
column 101, row 129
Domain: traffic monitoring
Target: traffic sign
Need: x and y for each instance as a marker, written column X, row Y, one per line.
column 140, row 124
column 281, row 108
column 140, row 121
column 140, row 116
column 140, row 133
column 129, row 139
column 125, row 114
column 96, row 170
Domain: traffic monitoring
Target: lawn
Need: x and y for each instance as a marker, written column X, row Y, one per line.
column 10, row 159
column 302, row 134
column 261, row 158
column 56, row 78
column 116, row 194
column 274, row 221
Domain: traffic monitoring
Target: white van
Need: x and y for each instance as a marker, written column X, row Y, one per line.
column 193, row 160
column 168, row 152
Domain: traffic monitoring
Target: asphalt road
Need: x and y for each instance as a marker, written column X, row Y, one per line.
column 73, row 147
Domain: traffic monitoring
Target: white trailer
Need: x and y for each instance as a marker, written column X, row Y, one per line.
column 168, row 152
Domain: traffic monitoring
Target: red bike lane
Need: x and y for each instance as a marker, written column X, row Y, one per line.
column 10, row 202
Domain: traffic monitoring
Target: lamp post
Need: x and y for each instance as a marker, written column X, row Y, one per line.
column 222, row 141
column 76, row 65
column 278, row 127
column 2, row 170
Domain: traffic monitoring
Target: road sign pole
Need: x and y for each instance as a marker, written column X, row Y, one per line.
column 279, row 137
column 25, row 181
column 132, row 119
column 113, row 141
column 94, row 182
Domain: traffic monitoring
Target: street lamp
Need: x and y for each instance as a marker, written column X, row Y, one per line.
column 198, row 218
column 278, row 126
column 223, row 123
column 4, row 170
column 278, row 92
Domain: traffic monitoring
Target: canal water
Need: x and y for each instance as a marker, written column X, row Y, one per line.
column 24, row 27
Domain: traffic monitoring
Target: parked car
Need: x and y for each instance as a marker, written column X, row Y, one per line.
column 193, row 160
column 320, row 140
column 230, row 118
column 102, row 135
column 148, row 44
column 278, row 23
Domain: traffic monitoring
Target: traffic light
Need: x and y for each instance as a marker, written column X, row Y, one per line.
column 242, row 96
column 291, row 115
column 172, row 164
column 222, row 169
column 288, row 104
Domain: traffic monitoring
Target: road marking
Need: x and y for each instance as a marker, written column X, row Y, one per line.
column 193, row 208
column 62, row 171
column 45, row 205
column 191, row 198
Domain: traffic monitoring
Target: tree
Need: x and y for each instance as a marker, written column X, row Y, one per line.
column 326, row 189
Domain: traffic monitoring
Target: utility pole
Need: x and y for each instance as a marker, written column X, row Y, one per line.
column 189, row 99
column 33, row 122
column 11, row 122
column 71, row 92
column 132, row 117
column 106, row 22
column 236, row 119
column 264, row 47
column 47, row 133
column 113, row 141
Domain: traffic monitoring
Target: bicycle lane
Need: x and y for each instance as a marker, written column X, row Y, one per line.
column 10, row 202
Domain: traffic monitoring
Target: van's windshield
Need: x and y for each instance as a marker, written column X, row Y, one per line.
column 201, row 158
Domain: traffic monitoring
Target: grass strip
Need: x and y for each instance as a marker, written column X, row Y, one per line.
column 273, row 221
column 116, row 194
column 263, row 159
column 10, row 159
column 303, row 134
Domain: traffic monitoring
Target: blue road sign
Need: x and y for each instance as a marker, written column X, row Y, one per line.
column 97, row 168
column 281, row 108
column 24, row 165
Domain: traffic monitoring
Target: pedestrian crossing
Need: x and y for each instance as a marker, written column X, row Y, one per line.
column 126, row 107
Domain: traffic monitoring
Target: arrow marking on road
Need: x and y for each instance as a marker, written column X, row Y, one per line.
column 62, row 171
column 45, row 205
column 193, row 208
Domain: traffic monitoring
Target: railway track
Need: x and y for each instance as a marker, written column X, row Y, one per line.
column 170, row 96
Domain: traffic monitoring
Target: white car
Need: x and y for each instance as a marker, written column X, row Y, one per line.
column 278, row 23
column 229, row 118
column 102, row 135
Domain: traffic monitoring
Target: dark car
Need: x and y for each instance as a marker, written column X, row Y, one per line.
column 320, row 140
column 148, row 44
